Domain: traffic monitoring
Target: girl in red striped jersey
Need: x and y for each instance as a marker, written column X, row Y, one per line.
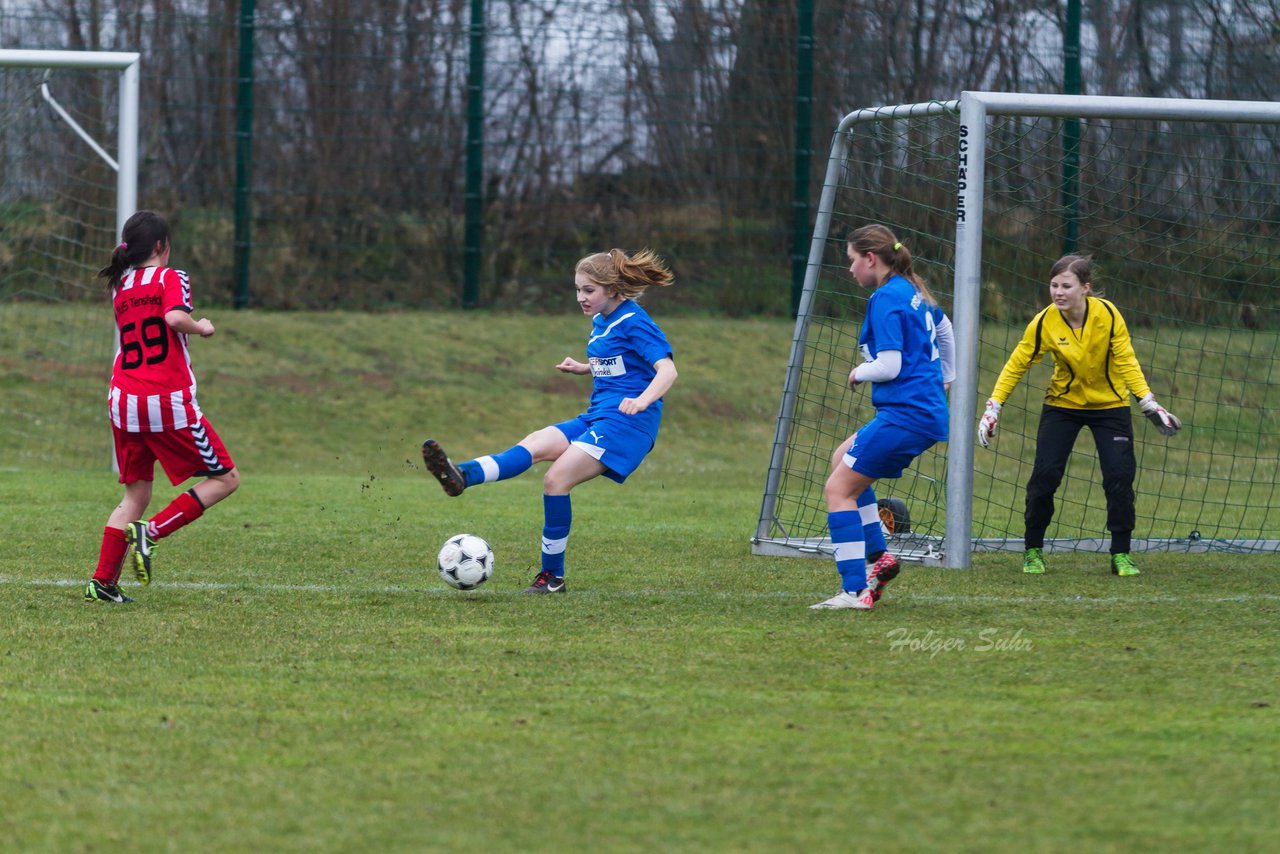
column 152, row 405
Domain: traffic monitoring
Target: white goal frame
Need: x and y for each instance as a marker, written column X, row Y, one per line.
column 125, row 163
column 972, row 108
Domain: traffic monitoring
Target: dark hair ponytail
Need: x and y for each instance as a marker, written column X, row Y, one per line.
column 881, row 240
column 138, row 240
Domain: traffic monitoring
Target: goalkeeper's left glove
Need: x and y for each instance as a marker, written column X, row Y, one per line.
column 987, row 423
column 1166, row 422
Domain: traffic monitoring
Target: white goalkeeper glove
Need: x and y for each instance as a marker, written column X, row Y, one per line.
column 987, row 423
column 1166, row 422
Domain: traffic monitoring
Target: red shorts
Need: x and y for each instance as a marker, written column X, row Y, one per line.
column 193, row 451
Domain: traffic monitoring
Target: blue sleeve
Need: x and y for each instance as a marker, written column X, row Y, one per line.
column 885, row 316
column 650, row 342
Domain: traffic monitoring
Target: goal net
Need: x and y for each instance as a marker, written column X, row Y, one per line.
column 68, row 154
column 1179, row 203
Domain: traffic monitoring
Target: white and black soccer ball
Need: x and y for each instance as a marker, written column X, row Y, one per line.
column 465, row 561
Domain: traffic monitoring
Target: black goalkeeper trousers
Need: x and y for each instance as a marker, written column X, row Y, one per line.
column 1113, row 434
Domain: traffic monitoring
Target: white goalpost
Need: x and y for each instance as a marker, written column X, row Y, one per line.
column 1178, row 200
column 69, row 162
column 125, row 163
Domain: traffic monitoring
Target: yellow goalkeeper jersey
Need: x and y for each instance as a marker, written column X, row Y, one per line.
column 1094, row 367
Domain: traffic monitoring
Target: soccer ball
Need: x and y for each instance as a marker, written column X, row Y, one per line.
column 465, row 561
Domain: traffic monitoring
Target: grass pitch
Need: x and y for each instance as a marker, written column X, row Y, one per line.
column 298, row 678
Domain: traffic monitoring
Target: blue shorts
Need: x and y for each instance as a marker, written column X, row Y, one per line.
column 619, row 445
column 885, row 450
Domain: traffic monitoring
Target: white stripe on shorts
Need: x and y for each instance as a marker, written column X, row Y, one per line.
column 594, row 450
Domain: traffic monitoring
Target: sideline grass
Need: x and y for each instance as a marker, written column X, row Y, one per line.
column 298, row 679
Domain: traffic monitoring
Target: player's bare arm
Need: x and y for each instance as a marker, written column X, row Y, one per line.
column 663, row 379
column 573, row 366
column 182, row 322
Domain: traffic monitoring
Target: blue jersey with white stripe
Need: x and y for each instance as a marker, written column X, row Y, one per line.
column 622, row 350
column 899, row 318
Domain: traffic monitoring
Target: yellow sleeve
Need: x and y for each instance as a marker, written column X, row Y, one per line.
column 1027, row 353
column 1124, row 360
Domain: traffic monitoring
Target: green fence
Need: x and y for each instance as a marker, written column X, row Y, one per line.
column 431, row 153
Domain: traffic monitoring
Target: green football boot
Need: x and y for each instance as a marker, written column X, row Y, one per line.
column 144, row 548
column 1122, row 564
column 99, row 592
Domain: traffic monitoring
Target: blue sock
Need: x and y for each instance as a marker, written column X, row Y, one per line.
column 851, row 548
column 558, row 516
column 487, row 469
column 872, row 533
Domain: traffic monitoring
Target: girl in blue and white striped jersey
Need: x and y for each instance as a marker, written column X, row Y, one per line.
column 907, row 349
column 631, row 366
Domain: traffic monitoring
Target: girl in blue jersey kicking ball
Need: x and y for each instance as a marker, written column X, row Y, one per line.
column 907, row 349
column 631, row 366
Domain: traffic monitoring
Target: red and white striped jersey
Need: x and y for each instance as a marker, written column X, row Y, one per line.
column 152, row 385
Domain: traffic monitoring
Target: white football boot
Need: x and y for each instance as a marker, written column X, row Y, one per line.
column 860, row 601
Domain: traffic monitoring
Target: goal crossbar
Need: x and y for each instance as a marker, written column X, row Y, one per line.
column 125, row 163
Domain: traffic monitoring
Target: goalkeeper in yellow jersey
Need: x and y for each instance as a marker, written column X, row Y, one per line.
column 1095, row 370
